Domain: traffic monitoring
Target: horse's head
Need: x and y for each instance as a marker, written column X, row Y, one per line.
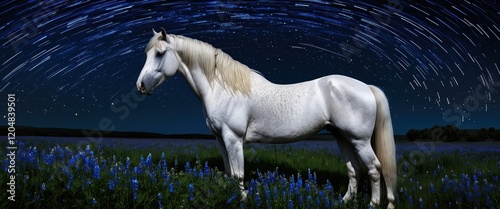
column 161, row 62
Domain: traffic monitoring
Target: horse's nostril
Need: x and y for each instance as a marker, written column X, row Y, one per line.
column 141, row 88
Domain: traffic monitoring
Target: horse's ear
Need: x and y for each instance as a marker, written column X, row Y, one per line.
column 154, row 32
column 163, row 35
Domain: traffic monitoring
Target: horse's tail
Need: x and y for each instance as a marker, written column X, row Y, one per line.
column 384, row 142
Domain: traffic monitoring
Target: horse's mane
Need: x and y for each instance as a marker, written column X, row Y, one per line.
column 216, row 64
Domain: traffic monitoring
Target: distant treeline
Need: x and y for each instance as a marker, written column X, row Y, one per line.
column 451, row 133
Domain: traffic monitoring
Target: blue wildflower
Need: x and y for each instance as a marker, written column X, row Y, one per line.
column 159, row 200
column 299, row 181
column 188, row 167
column 127, row 163
column 268, row 192
column 94, row 202
column 163, row 161
column 135, row 187
column 206, row 169
column 111, row 185
column 421, row 203
column 70, row 180
column 290, row 204
column 43, row 186
column 410, row 200
column 72, row 161
column 257, row 199
column 308, row 187
column 97, row 174
column 231, row 199
column 171, row 188
column 149, row 163
column 191, row 192
column 329, row 187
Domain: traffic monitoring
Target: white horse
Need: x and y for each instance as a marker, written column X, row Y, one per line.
column 241, row 106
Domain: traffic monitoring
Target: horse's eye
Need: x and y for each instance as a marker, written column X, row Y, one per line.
column 159, row 54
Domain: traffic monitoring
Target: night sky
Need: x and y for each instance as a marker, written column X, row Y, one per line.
column 74, row 64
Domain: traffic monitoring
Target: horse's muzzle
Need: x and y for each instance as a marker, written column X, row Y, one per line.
column 142, row 89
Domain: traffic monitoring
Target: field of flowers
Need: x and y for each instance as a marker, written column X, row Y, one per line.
column 277, row 176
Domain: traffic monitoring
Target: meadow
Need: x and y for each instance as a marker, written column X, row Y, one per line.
column 64, row 174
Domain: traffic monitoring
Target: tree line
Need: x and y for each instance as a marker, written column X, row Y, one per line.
column 450, row 133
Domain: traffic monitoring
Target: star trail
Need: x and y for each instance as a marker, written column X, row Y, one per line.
column 73, row 63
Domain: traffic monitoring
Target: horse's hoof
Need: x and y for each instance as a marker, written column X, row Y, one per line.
column 390, row 206
column 374, row 204
column 244, row 195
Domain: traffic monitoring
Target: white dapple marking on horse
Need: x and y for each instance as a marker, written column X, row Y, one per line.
column 241, row 106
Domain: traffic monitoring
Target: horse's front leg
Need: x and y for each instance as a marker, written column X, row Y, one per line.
column 234, row 149
column 223, row 152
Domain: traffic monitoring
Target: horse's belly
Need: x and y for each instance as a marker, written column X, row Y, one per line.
column 282, row 129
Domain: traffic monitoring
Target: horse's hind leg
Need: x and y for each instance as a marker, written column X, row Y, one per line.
column 367, row 155
column 352, row 163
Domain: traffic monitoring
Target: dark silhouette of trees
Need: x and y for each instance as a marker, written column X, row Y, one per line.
column 450, row 133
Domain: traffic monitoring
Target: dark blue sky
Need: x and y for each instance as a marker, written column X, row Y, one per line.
column 74, row 64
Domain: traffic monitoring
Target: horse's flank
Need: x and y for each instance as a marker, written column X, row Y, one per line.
column 216, row 64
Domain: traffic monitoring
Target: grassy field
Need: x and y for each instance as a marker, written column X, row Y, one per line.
column 277, row 176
